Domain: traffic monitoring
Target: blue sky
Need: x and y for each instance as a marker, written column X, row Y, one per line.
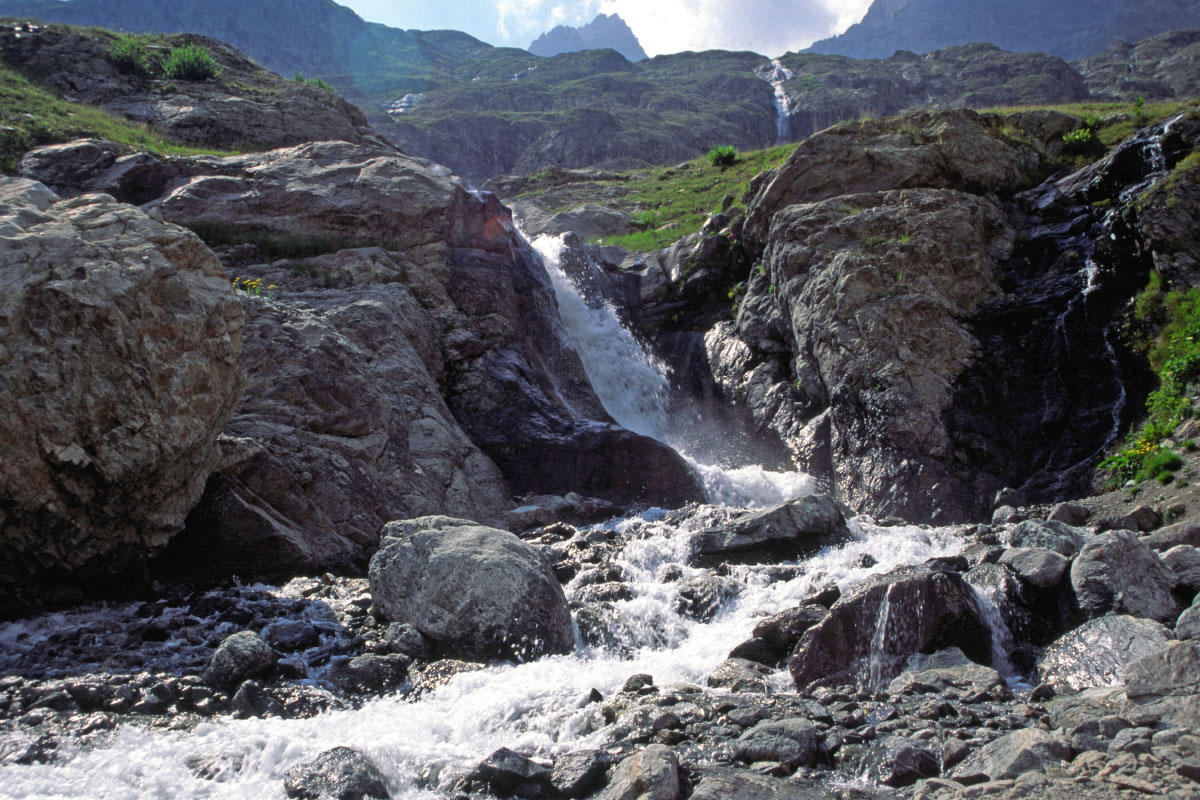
column 771, row 27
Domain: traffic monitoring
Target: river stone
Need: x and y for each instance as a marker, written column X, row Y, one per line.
column 1188, row 624
column 1048, row 535
column 289, row 636
column 341, row 773
column 727, row 784
column 1117, row 573
column 1037, row 567
column 781, row 632
column 652, row 774
column 1184, row 561
column 780, row 533
column 242, row 655
column 122, row 339
column 944, row 669
column 792, row 741
column 578, row 774
column 897, row 762
column 1012, row 755
column 740, row 675
column 504, row 771
column 909, row 610
column 1099, row 652
column 1171, row 671
column 472, row 591
column 368, row 673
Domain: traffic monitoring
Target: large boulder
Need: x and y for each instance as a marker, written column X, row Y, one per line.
column 121, row 364
column 651, row 774
column 783, row 532
column 341, row 773
column 472, row 591
column 1013, row 754
column 872, row 630
column 239, row 656
column 1098, row 652
column 1118, row 573
column 1052, row 535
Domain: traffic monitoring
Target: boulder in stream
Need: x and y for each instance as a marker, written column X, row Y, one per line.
column 341, row 773
column 471, row 591
column 783, row 532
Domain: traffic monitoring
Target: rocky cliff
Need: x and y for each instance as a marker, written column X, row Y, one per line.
column 605, row 32
column 1070, row 29
column 1166, row 65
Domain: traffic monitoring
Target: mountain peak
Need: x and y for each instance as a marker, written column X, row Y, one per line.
column 605, row 31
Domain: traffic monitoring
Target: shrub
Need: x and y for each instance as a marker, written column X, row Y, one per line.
column 723, row 156
column 1079, row 141
column 129, row 55
column 316, row 82
column 191, row 63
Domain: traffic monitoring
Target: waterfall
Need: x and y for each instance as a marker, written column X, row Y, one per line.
column 775, row 74
column 634, row 388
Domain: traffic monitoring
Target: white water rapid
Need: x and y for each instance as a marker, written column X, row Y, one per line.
column 775, row 74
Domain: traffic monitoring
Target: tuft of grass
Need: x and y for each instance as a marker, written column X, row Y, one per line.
column 32, row 116
column 191, row 62
column 130, row 55
column 318, row 82
column 723, row 156
column 1110, row 123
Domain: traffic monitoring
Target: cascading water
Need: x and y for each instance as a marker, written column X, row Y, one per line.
column 776, row 74
column 633, row 387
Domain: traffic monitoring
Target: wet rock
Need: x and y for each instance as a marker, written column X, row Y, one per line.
column 1099, row 652
column 470, row 590
column 1012, row 755
column 106, row 449
column 779, row 533
column 700, row 597
column 652, row 774
column 578, row 774
column 1184, row 561
column 242, row 655
column 1072, row 514
column 341, row 773
column 1117, row 573
column 793, row 742
column 291, row 635
column 369, row 673
column 1039, row 568
column 757, row 650
column 1171, row 671
column 919, row 611
column 252, row 700
column 826, row 596
column 1049, row 535
column 748, row 785
column 896, row 761
column 781, row 632
column 740, row 675
column 505, row 772
column 944, row 669
column 404, row 639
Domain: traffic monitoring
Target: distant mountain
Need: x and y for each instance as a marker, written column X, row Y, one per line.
column 1071, row 29
column 604, row 32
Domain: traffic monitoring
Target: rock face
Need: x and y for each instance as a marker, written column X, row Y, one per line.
column 122, row 341
column 604, row 32
column 873, row 629
column 1098, row 652
column 1158, row 67
column 471, row 591
column 1117, row 573
column 246, row 107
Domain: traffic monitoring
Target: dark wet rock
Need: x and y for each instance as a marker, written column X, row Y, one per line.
column 740, row 675
column 252, row 700
column 242, row 655
column 781, row 632
column 826, row 596
column 1171, row 671
column 1012, row 755
column 920, row 610
column 1049, row 535
column 470, row 590
column 726, row 784
column 895, row 761
column 1039, row 568
column 1099, row 652
column 779, row 533
column 291, row 635
column 944, row 669
column 341, row 773
column 651, row 774
column 1184, row 561
column 791, row 741
column 505, row 772
column 700, row 597
column 1117, row 573
column 578, row 774
column 758, row 650
column 369, row 673
column 404, row 639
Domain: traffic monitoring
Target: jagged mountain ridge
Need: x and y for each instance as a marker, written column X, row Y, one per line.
column 605, row 32
column 1071, row 29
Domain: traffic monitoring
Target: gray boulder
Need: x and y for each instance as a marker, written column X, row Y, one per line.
column 1039, row 568
column 896, row 761
column 123, row 346
column 783, row 532
column 368, row 673
column 793, row 741
column 1072, row 514
column 1117, row 573
column 1186, row 532
column 652, row 774
column 240, row 656
column 724, row 784
column 471, row 591
column 945, row 669
column 1012, row 755
column 1171, row 671
column 1099, row 652
column 1184, row 561
column 1048, row 535
column 1188, row 624
column 341, row 773
column 873, row 629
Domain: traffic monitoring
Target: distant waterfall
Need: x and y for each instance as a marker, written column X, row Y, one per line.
column 775, row 74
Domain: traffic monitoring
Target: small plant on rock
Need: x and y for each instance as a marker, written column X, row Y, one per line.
column 723, row 156
column 255, row 287
column 317, row 83
column 129, row 55
column 191, row 63
column 1079, row 141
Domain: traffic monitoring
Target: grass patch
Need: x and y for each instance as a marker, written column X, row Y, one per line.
column 1110, row 123
column 318, row 83
column 673, row 202
column 130, row 55
column 31, row 116
column 191, row 62
column 1174, row 355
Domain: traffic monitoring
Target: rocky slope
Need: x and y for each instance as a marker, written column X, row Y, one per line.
column 605, row 32
column 1072, row 29
column 1160, row 66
